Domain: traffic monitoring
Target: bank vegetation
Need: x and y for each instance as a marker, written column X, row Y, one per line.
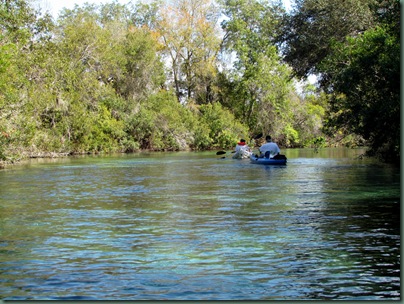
column 198, row 75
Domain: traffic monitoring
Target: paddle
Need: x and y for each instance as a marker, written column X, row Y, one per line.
column 258, row 136
column 224, row 152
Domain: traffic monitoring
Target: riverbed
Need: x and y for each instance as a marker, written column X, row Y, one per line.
column 196, row 226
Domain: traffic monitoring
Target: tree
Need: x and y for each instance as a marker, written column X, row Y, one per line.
column 308, row 112
column 144, row 71
column 364, row 85
column 188, row 32
column 354, row 48
column 309, row 31
column 23, row 39
column 119, row 66
column 95, row 80
column 259, row 81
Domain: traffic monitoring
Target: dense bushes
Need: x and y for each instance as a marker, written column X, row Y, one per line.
column 120, row 78
column 162, row 123
column 94, row 83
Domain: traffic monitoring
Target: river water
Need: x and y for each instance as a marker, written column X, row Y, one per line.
column 195, row 226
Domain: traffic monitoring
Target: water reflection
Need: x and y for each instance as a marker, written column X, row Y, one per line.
column 191, row 226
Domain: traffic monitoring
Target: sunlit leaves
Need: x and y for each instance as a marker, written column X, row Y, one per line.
column 189, row 33
column 261, row 81
column 313, row 25
column 365, row 85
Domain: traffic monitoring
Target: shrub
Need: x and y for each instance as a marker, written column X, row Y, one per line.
column 224, row 130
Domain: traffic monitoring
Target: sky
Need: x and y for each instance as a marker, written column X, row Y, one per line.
column 55, row 6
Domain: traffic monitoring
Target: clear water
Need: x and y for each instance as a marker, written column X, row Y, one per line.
column 193, row 226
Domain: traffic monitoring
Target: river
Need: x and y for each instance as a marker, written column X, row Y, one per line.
column 195, row 226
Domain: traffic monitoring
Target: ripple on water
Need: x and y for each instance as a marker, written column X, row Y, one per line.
column 171, row 229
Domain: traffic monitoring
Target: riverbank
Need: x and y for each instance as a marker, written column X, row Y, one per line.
column 50, row 155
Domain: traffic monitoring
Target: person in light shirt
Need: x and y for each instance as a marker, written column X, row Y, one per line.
column 242, row 150
column 269, row 149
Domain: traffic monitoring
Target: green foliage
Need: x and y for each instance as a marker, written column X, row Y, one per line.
column 4, row 141
column 144, row 73
column 354, row 47
column 308, row 32
column 308, row 111
column 161, row 123
column 188, row 34
column 259, row 83
column 222, row 127
column 8, row 73
column 365, row 83
column 319, row 142
column 117, row 78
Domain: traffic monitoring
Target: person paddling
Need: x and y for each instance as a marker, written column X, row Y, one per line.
column 269, row 149
column 242, row 150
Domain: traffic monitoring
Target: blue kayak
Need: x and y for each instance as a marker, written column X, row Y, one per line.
column 267, row 161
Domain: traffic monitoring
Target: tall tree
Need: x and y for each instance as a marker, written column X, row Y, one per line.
column 188, row 30
column 24, row 36
column 310, row 29
column 364, row 85
column 259, row 80
column 354, row 47
column 144, row 71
